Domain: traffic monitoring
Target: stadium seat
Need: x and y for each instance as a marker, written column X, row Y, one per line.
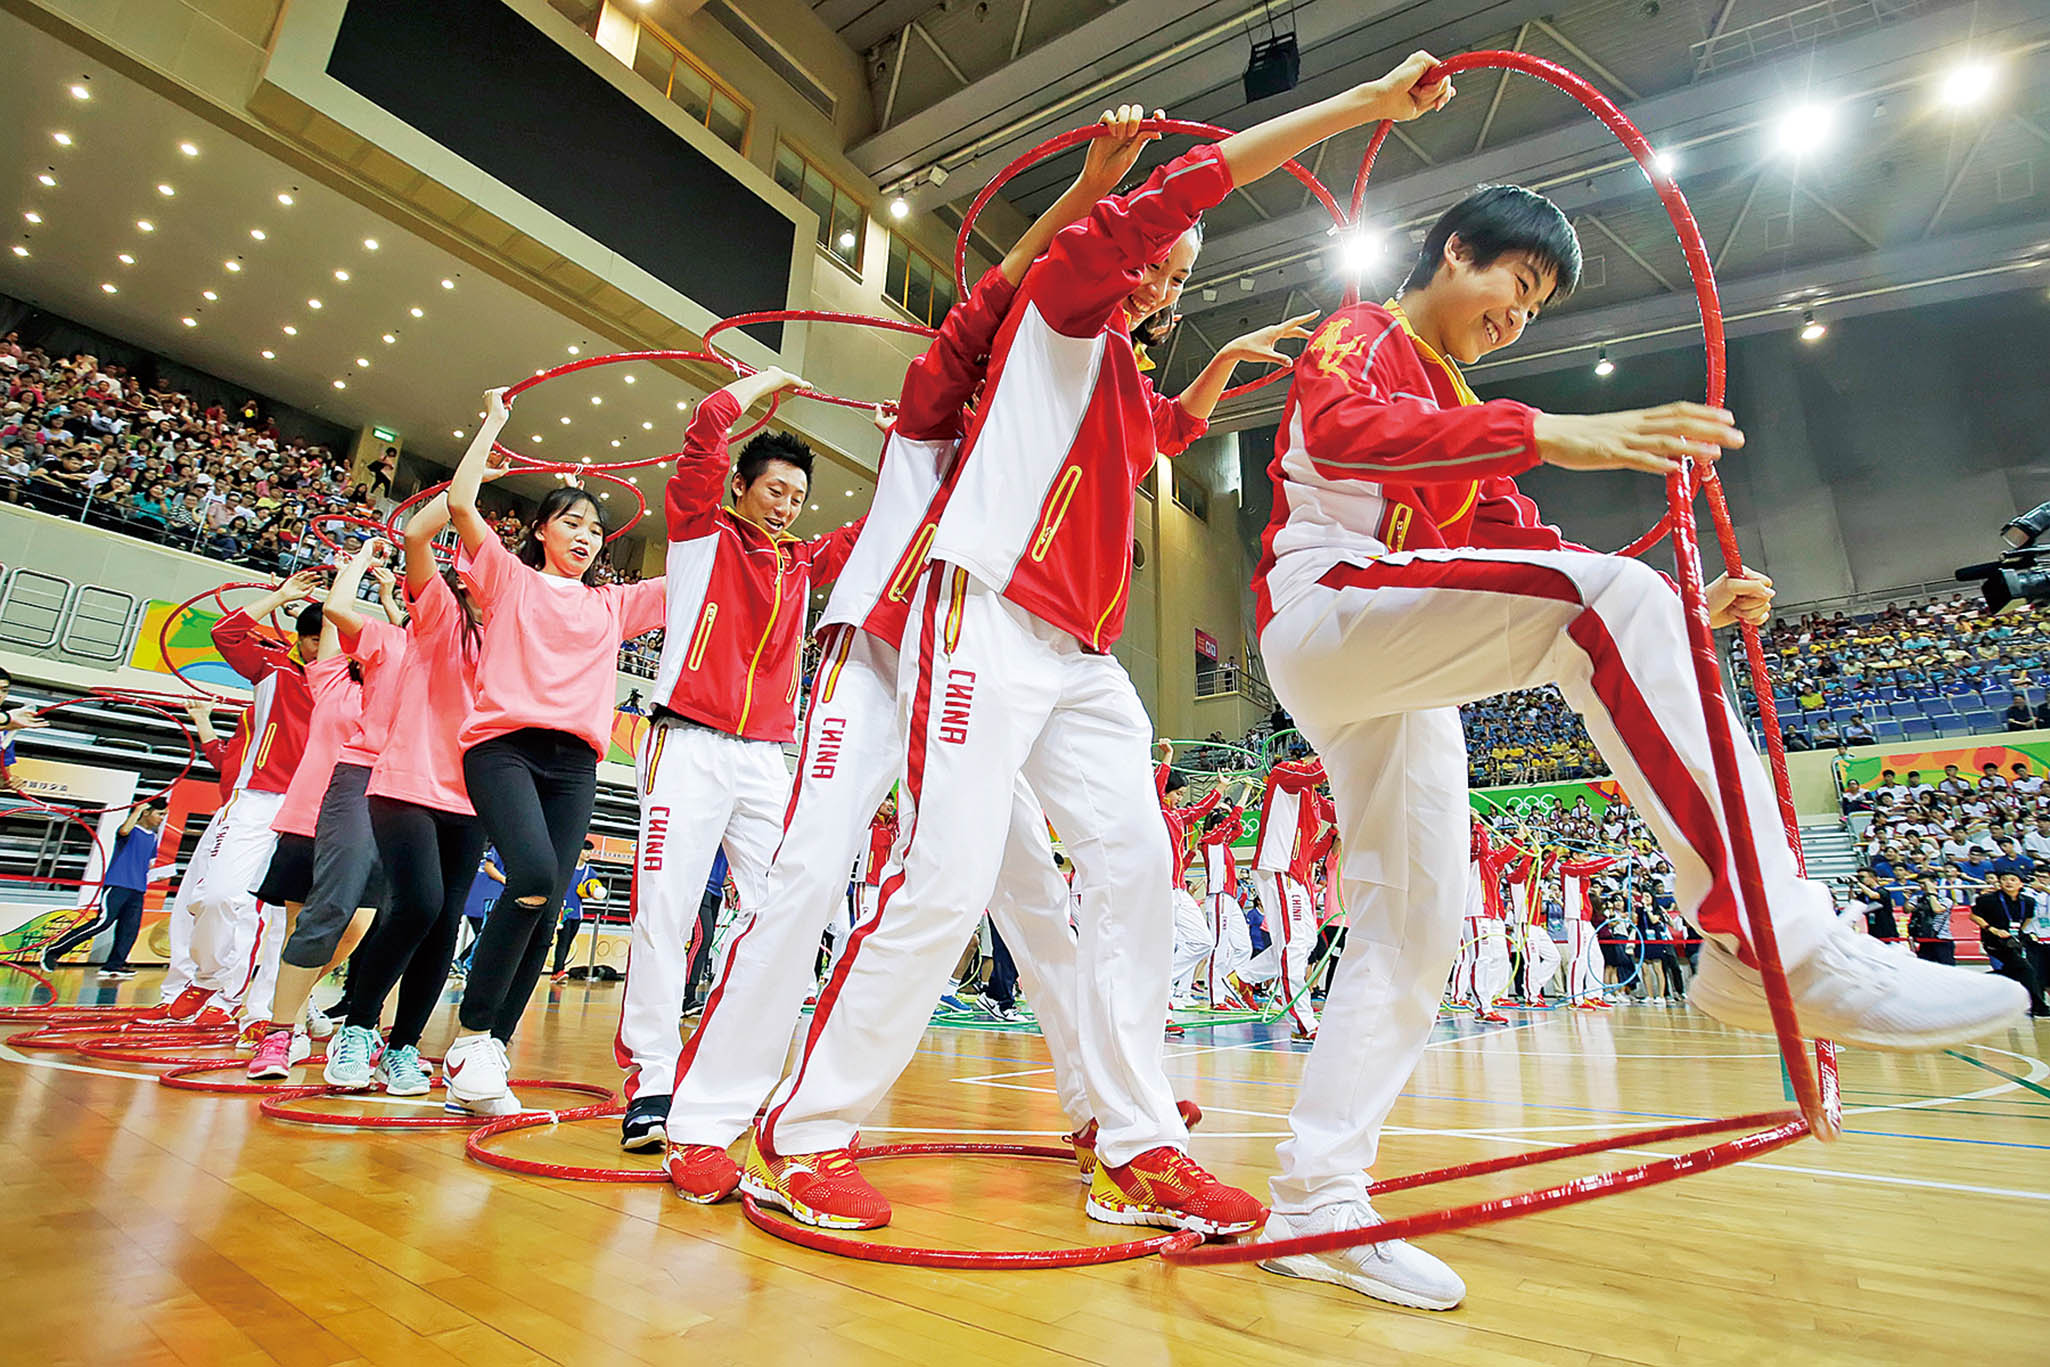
column 1918, row 728
column 1983, row 722
column 1887, row 729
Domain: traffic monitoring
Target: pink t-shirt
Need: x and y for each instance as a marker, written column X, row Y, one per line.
column 421, row 762
column 381, row 649
column 551, row 647
column 337, row 705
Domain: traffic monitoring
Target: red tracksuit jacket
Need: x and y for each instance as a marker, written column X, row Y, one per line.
column 280, row 708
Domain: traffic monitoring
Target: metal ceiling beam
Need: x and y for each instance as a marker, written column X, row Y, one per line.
column 862, row 24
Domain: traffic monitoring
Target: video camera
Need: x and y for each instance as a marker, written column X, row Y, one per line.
column 2023, row 573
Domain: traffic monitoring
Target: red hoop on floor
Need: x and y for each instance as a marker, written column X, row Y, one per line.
column 585, row 363
column 41, row 982
column 475, row 1148
column 741, row 320
column 184, row 1078
column 994, row 1260
column 279, row 1107
column 145, row 1045
column 164, row 635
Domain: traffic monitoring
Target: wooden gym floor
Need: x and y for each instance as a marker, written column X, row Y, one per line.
column 145, row 1225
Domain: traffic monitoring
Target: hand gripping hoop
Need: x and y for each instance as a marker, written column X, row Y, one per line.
column 1815, row 1088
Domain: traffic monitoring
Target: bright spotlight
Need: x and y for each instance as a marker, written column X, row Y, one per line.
column 1966, row 85
column 900, row 207
column 1812, row 330
column 1804, row 129
column 1358, row 250
column 1603, row 366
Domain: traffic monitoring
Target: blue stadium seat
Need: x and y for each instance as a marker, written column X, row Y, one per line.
column 1995, row 699
column 1840, row 715
column 1939, row 707
column 2036, row 695
column 1918, row 728
column 1904, row 707
column 1888, row 729
column 1983, row 722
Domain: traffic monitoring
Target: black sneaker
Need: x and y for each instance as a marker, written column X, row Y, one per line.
column 645, row 1125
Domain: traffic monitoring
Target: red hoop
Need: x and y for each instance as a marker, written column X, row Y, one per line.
column 996, row 1260
column 164, row 635
column 379, row 530
column 741, row 320
column 475, row 1148
column 41, row 982
column 79, row 813
column 183, row 1078
column 582, row 472
column 585, row 363
column 278, row 1106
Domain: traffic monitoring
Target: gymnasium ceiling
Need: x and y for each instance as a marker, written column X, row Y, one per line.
column 1905, row 197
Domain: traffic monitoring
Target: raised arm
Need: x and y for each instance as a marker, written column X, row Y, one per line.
column 1199, row 399
column 698, row 485
column 469, row 475
column 343, row 613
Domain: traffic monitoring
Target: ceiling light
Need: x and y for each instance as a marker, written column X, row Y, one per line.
column 596, row 400
column 341, row 384
column 33, row 217
column 448, row 284
column 47, row 181
column 188, row 149
column 1804, row 129
column 647, row 427
column 258, row 233
column 615, row 441
column 537, row 437
column 459, row 431
column 291, row 331
column 313, row 303
column 61, row 139
column 629, row 379
column 125, row 259
column 20, row 250
column 850, row 493
column 342, row 276
column 269, row 355
column 108, row 286
column 1603, row 366
column 369, row 244
column 417, row 313
column 166, row 190
column 79, row 92
column 145, row 225
column 575, row 351
column 389, row 338
column 190, row 322
column 814, row 507
column 899, row 206
column 362, row 363
column 681, row 404
column 565, row 422
column 232, row 267
column 1209, row 296
column 1811, row 330
column 285, row 200
column 1666, row 162
column 847, row 239
column 1359, row 250
column 1967, row 84
column 1245, row 284
column 209, row 296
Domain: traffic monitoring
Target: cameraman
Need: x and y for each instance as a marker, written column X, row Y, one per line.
column 1999, row 916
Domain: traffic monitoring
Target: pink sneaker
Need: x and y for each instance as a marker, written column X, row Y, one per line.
column 273, row 1056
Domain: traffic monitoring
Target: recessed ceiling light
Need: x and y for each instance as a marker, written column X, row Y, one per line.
column 341, row 384
column 448, row 284
column 615, row 441
column 369, row 244
column 47, row 181
column 576, row 351
column 342, row 276
column 33, row 217
column 232, row 267
column 814, row 507
column 145, row 225
column 285, row 200
column 291, row 331
column 269, row 355
column 313, row 303
column 108, row 286
column 389, row 338
column 258, row 233
column 537, row 436
column 596, row 400
column 629, row 379
column 647, row 427
column 79, row 92
column 1967, row 84
column 166, row 190
column 417, row 313
column 850, row 493
column 480, row 412
column 190, row 322
column 847, row 240
column 125, row 259
column 189, row 149
column 362, row 363
column 459, row 431
column 20, row 250
column 681, row 405
column 208, row 295
column 61, row 139
column 565, row 422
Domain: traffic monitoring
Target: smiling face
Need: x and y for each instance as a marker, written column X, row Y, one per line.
column 775, row 498
column 1485, row 308
column 571, row 539
column 1161, row 283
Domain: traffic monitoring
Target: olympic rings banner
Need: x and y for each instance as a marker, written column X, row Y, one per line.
column 1544, row 798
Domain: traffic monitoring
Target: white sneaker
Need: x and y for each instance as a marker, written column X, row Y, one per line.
column 1396, row 1271
column 302, row 1048
column 505, row 1103
column 474, row 1070
column 319, row 1024
column 1853, row 991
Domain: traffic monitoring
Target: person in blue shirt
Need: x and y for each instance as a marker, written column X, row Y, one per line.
column 483, row 892
column 572, row 911
column 2012, row 860
column 122, row 886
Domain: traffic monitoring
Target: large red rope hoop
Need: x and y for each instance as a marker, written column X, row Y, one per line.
column 741, row 320
column 284, row 1105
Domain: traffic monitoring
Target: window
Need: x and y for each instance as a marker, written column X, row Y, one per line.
column 917, row 284
column 1190, row 495
column 843, row 224
column 690, row 87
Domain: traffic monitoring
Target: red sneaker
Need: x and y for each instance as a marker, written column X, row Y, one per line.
column 214, row 1018
column 1174, row 1028
column 178, row 1010
column 1491, row 1017
column 823, row 1189
column 703, row 1173
column 1166, row 1187
column 1084, row 1139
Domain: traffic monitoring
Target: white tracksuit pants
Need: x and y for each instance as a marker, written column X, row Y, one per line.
column 700, row 789
column 258, row 998
column 1292, row 939
column 1373, row 661
column 1540, row 959
column 1231, row 945
column 852, row 753
column 1191, row 943
column 1491, row 963
column 1583, row 961
column 987, row 691
column 218, row 895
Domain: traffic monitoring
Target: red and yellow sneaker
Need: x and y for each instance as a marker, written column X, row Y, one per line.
column 1166, row 1187
column 703, row 1173
column 178, row 1010
column 822, row 1189
column 214, row 1018
column 1084, row 1139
